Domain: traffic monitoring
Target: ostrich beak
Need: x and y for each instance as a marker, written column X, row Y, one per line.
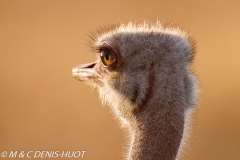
column 85, row 72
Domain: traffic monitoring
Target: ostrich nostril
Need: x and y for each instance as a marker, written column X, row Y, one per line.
column 87, row 65
column 83, row 66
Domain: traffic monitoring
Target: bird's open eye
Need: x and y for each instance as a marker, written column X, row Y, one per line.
column 108, row 57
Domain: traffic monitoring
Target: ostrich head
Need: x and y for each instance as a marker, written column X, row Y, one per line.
column 143, row 72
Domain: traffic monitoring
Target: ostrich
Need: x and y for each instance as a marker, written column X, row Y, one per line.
column 143, row 72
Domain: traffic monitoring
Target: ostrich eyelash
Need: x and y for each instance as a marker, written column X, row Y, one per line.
column 102, row 48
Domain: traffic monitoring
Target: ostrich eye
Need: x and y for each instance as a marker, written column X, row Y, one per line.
column 108, row 57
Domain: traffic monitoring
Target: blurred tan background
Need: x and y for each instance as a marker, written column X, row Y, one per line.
column 43, row 108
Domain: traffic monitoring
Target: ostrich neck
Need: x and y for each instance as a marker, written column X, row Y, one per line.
column 158, row 126
column 157, row 136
